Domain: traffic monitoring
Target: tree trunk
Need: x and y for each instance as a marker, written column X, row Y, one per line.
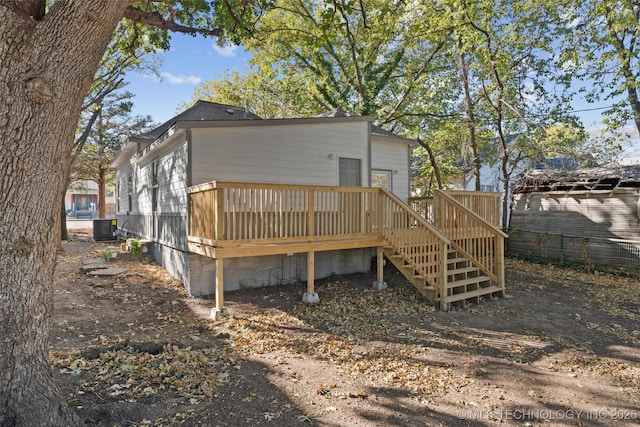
column 432, row 160
column 102, row 195
column 469, row 109
column 47, row 67
column 64, row 233
column 506, row 205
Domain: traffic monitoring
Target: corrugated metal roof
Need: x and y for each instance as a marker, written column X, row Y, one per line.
column 601, row 178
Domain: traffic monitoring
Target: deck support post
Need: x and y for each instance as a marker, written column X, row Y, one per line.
column 220, row 310
column 379, row 284
column 310, row 297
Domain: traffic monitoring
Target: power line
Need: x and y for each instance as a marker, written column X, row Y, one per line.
column 591, row 109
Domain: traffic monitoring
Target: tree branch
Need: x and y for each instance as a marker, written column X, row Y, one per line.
column 78, row 144
column 432, row 160
column 157, row 20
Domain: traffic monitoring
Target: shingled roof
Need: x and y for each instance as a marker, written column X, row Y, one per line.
column 201, row 110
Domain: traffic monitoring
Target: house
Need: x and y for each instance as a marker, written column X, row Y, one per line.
column 217, row 188
column 211, row 142
column 81, row 199
column 578, row 215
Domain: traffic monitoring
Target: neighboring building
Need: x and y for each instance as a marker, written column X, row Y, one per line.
column 81, row 199
column 584, row 215
column 211, row 141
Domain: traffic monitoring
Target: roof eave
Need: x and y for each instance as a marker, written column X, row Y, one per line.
column 397, row 139
column 193, row 124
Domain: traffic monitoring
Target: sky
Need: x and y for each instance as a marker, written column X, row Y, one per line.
column 190, row 61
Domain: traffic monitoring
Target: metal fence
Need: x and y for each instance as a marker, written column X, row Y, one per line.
column 566, row 250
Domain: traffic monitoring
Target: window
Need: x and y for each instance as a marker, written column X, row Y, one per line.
column 130, row 192
column 154, row 186
column 381, row 179
column 118, row 197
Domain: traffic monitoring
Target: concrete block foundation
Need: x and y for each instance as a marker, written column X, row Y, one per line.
column 198, row 273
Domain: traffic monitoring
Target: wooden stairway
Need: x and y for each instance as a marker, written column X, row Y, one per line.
column 465, row 282
column 459, row 257
column 419, row 281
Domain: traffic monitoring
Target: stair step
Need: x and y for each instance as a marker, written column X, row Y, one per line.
column 470, row 281
column 462, row 270
column 457, row 265
column 473, row 294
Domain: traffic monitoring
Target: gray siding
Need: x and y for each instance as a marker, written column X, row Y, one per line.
column 604, row 215
column 292, row 154
column 395, row 157
column 168, row 225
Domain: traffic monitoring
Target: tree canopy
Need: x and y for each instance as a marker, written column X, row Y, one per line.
column 113, row 123
column 476, row 74
column 600, row 45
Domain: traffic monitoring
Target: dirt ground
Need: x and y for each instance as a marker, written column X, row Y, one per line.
column 562, row 349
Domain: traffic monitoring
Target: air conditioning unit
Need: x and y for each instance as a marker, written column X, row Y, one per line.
column 105, row 229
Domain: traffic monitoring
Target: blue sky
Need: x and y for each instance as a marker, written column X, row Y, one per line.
column 190, row 61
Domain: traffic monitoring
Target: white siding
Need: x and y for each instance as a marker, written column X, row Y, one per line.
column 122, row 176
column 142, row 189
column 168, row 224
column 172, row 181
column 291, row 154
column 394, row 157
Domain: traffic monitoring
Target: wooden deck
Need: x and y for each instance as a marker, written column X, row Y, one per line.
column 232, row 219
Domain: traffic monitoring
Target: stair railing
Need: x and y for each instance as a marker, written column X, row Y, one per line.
column 471, row 235
column 418, row 242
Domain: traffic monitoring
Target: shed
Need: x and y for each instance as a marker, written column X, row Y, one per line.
column 587, row 215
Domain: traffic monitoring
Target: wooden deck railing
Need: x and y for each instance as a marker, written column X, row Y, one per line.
column 420, row 243
column 249, row 219
column 472, row 235
column 485, row 204
column 423, row 205
column 269, row 213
